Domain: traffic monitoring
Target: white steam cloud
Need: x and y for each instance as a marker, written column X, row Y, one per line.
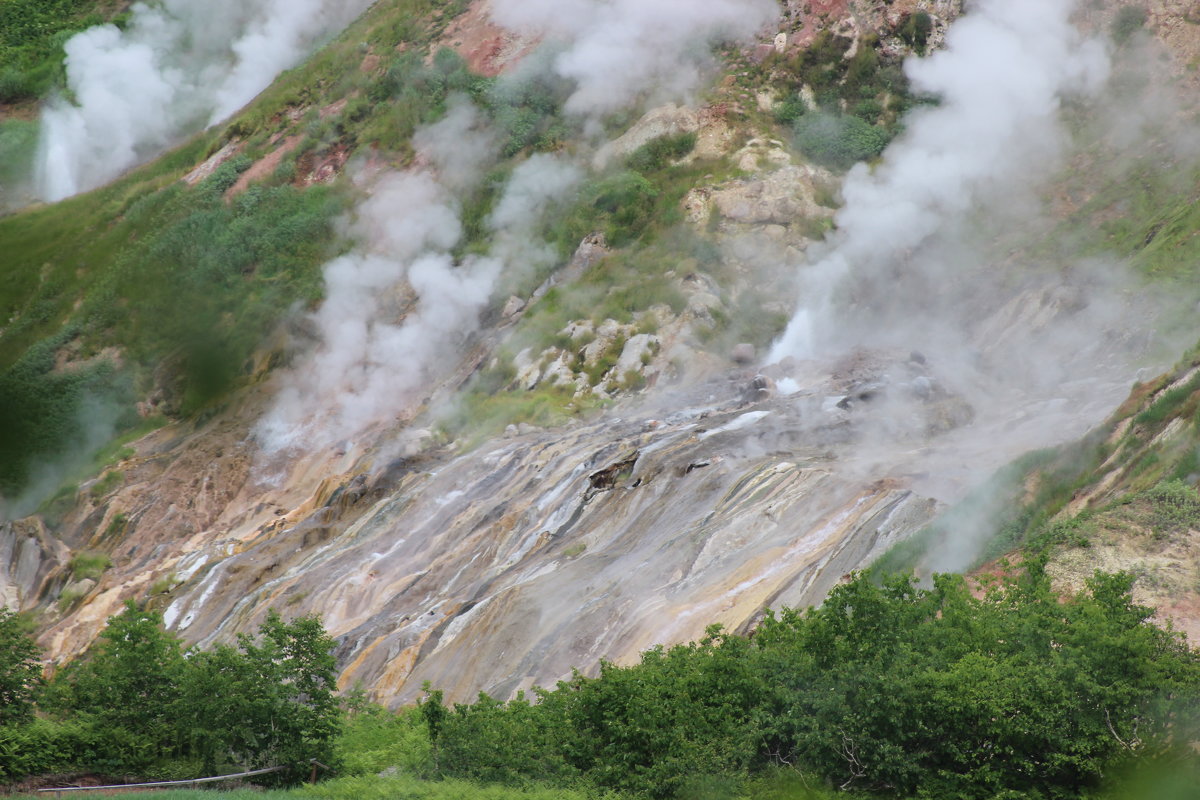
column 397, row 312
column 1001, row 80
column 179, row 66
column 934, row 251
column 618, row 49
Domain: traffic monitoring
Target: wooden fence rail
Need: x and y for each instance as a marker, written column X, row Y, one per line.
column 160, row 784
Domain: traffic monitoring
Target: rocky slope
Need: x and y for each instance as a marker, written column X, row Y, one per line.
column 709, row 486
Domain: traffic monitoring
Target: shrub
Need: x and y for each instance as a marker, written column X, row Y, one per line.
column 660, row 152
column 621, row 206
column 18, row 143
column 52, row 415
column 839, row 141
column 936, row 692
column 1128, row 21
column 915, row 30
column 15, row 85
column 1175, row 506
column 374, row 739
column 89, row 565
column 20, row 672
column 789, row 110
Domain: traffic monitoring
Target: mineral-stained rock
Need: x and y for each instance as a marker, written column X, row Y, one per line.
column 29, row 556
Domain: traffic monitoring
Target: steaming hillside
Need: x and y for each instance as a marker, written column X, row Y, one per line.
column 507, row 338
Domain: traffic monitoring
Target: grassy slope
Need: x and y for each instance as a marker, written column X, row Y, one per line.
column 32, row 33
column 175, row 283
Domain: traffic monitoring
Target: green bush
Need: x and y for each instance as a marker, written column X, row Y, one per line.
column 136, row 704
column 915, row 30
column 374, row 739
column 52, row 414
column 1128, row 21
column 658, row 153
column 32, row 34
column 15, row 85
column 89, row 565
column 789, row 110
column 1170, row 403
column 886, row 687
column 18, row 144
column 1175, row 506
column 621, row 206
column 20, row 672
column 838, row 141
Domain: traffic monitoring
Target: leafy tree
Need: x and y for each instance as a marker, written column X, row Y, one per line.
column 915, row 30
column 20, row 672
column 264, row 703
column 887, row 687
column 129, row 683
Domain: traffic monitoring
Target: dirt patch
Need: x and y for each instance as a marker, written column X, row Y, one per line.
column 264, row 167
column 231, row 149
column 314, row 168
column 335, row 108
column 1166, row 567
column 488, row 48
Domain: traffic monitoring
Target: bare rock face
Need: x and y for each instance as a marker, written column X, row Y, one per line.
column 663, row 121
column 29, row 558
column 488, row 48
column 806, row 18
column 743, row 353
column 782, row 196
column 208, row 167
column 510, row 565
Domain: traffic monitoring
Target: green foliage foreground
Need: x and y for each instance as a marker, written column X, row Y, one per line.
column 890, row 689
column 886, row 690
column 138, row 704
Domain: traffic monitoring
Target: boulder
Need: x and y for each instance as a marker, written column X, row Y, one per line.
column 512, row 307
column 606, row 336
column 780, row 198
column 636, row 352
column 742, row 353
column 529, row 370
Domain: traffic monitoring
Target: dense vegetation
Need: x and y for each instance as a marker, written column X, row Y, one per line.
column 855, row 103
column 139, row 704
column 32, row 33
column 887, row 690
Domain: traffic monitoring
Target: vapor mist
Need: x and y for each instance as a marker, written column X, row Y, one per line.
column 619, row 49
column 95, row 423
column 400, row 308
column 1000, row 82
column 179, row 66
column 931, row 254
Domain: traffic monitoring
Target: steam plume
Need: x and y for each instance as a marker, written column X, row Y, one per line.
column 1041, row 350
column 379, row 350
column 179, row 66
column 617, row 49
column 1006, row 68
